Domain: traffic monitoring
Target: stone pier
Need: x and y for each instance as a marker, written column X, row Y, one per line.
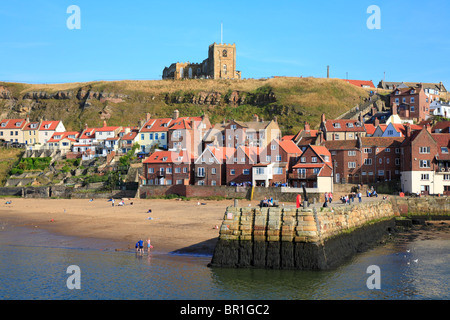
column 311, row 238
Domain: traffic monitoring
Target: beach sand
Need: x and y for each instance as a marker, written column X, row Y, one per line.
column 174, row 225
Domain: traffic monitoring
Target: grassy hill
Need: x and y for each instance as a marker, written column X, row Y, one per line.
column 8, row 158
column 292, row 100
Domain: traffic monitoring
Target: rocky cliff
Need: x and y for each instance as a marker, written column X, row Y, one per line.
column 292, row 100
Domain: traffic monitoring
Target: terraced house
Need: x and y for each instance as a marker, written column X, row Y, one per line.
column 11, row 130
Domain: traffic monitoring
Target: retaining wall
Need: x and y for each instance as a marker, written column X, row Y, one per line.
column 311, row 238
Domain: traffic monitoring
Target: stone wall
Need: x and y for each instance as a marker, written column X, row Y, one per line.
column 291, row 238
column 223, row 191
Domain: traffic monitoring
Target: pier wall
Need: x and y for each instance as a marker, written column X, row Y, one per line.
column 311, row 238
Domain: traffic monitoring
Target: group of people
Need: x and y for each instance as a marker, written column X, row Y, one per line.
column 351, row 198
column 140, row 246
column 267, row 202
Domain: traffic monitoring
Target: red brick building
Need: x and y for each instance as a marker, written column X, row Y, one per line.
column 412, row 102
column 168, row 168
column 210, row 166
column 239, row 166
column 313, row 169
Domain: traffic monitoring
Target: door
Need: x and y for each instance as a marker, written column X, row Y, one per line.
column 424, row 190
column 338, row 178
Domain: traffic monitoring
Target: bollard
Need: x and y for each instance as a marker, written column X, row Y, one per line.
column 235, row 203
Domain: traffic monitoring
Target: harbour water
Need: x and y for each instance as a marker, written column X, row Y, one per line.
column 33, row 266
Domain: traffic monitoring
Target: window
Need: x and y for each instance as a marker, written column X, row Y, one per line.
column 380, row 160
column 302, row 159
column 278, row 170
column 260, row 170
column 151, row 170
column 150, row 136
column 278, row 158
column 368, row 162
column 397, row 150
column 387, row 160
column 425, row 163
column 246, row 171
column 185, row 170
column 444, row 149
column 168, row 182
column 412, row 109
column 213, row 170
column 424, row 176
column 313, row 159
column 273, row 147
column 268, row 158
column 387, row 150
column 169, row 170
column 424, row 149
column 177, row 170
column 381, row 172
column 156, row 136
column 201, row 183
column 446, row 177
column 232, row 172
column 163, row 135
column 213, row 182
column 412, row 100
column 180, row 181
column 301, row 173
column 316, row 170
column 351, row 154
column 352, row 165
column 367, row 150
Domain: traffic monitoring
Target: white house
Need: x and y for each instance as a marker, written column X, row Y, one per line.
column 48, row 128
column 438, row 108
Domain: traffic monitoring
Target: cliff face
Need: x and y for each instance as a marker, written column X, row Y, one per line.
column 292, row 101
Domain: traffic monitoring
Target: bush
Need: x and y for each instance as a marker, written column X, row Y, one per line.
column 16, row 171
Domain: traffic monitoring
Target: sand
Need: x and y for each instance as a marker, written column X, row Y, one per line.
column 174, row 225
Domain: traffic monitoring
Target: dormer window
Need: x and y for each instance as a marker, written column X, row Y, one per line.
column 18, row 124
column 350, row 125
column 47, row 126
column 413, row 91
column 397, row 92
column 164, row 159
column 336, row 125
column 4, row 124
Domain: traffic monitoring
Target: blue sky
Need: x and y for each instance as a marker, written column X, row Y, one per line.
column 137, row 39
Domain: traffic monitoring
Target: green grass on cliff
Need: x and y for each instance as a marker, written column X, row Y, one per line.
column 296, row 100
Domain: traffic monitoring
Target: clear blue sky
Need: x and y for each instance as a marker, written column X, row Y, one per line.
column 137, row 39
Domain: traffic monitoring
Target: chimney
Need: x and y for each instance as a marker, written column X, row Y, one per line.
column 149, row 116
column 328, row 72
column 376, row 122
column 307, row 127
column 319, row 139
column 255, row 117
column 394, row 108
column 176, row 114
column 428, row 127
column 27, row 119
column 275, row 119
column 104, row 123
column 408, row 130
column 322, row 118
column 360, row 118
column 85, row 126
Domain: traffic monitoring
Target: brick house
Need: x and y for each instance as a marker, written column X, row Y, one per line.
column 313, row 170
column 275, row 162
column 239, row 166
column 168, row 168
column 342, row 129
column 412, row 102
column 366, row 160
column 210, row 166
column 256, row 133
column 425, row 162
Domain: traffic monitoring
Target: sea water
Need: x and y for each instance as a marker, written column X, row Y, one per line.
column 34, row 265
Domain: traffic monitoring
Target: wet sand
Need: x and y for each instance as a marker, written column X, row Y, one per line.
column 172, row 225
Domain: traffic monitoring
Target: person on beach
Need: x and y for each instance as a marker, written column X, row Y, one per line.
column 141, row 246
column 149, row 246
column 359, row 196
column 113, row 202
column 330, row 197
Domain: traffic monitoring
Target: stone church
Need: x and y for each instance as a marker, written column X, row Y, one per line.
column 220, row 64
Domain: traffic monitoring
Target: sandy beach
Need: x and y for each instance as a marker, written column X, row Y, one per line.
column 172, row 225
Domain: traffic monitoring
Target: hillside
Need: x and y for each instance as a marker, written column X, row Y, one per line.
column 292, row 100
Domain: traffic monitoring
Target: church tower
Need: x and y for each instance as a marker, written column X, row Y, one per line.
column 222, row 61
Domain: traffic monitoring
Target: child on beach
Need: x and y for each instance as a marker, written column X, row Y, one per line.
column 149, row 246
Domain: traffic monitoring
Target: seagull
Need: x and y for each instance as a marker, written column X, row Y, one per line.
column 417, row 260
column 408, row 250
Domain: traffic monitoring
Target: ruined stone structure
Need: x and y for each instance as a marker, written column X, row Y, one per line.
column 220, row 64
